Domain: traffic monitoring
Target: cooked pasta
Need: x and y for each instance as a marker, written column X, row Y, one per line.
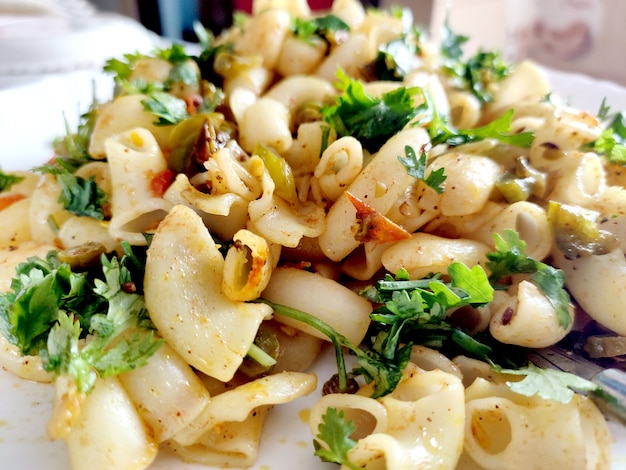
column 314, row 178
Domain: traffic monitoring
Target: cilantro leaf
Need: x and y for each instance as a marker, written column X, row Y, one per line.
column 409, row 312
column 73, row 148
column 7, row 180
column 603, row 110
column 370, row 119
column 478, row 73
column 169, row 109
column 452, row 43
column 510, row 258
column 549, row 384
column 174, row 53
column 482, row 70
column 473, row 281
column 335, row 432
column 443, row 133
column 414, row 311
column 417, row 169
column 80, row 196
column 612, row 141
column 325, row 27
column 394, row 60
column 121, row 338
column 39, row 290
column 385, row 372
column 50, row 310
column 122, row 69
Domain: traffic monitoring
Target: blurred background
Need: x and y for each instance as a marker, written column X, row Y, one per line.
column 586, row 36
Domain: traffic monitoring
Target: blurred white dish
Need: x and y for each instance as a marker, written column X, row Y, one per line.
column 40, row 44
column 32, row 115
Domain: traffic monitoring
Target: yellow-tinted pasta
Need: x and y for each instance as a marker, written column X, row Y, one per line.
column 168, row 394
column 505, row 430
column 135, row 158
column 328, row 300
column 272, row 202
column 403, row 430
column 211, row 331
column 109, row 417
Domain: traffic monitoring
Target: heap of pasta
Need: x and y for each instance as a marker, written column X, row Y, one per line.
column 232, row 212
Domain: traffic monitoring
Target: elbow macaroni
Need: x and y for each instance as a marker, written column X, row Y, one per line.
column 224, row 236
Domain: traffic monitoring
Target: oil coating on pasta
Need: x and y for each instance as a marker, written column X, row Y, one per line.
column 248, row 206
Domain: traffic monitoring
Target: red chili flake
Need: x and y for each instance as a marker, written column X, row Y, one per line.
column 161, row 181
column 8, row 199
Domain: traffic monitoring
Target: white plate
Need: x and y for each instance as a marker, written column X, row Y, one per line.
column 31, row 115
column 32, row 45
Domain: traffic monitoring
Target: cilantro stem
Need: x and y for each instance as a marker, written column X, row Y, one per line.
column 260, row 356
column 335, row 337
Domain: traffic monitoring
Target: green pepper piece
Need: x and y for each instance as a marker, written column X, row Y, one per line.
column 576, row 232
column 280, row 171
column 524, row 182
column 193, row 141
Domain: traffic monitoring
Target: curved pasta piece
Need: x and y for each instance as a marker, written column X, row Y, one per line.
column 273, row 130
column 380, row 184
column 526, row 318
column 429, row 359
column 424, row 253
column 279, row 222
column 527, row 83
column 420, row 426
column 369, row 415
column 381, row 30
column 79, row 230
column 344, row 310
column 565, row 130
column 465, row 226
column 212, row 332
column 581, row 180
column 11, row 257
column 364, row 262
column 120, row 115
column 294, row 91
column 528, row 219
column 236, row 405
column 134, row 159
column 15, row 224
column 264, row 34
column 597, row 283
column 109, row 433
column 25, row 367
column 351, row 12
column 44, row 207
column 470, row 179
column 350, row 56
column 226, row 174
column 340, row 164
column 298, row 57
column 304, row 154
column 167, row 393
column 235, row 444
column 242, row 89
column 247, row 267
column 223, row 214
column 465, row 109
column 504, row 430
